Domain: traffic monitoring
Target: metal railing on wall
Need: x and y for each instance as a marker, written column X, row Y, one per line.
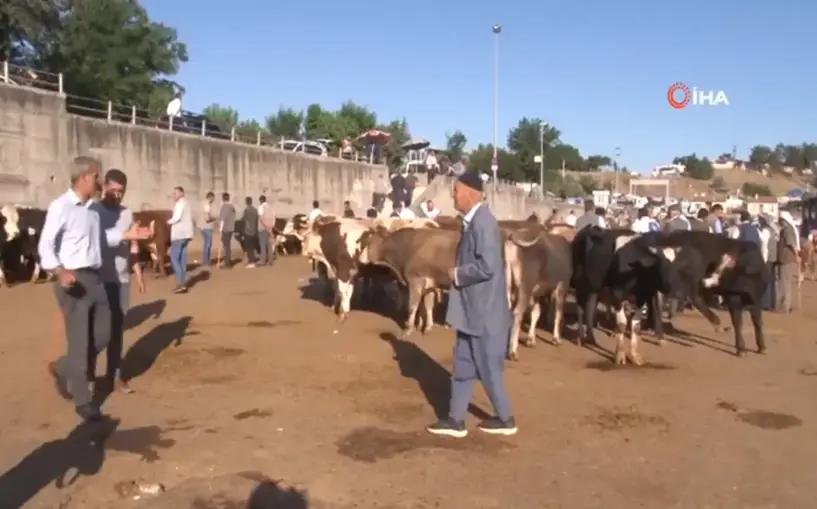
column 188, row 122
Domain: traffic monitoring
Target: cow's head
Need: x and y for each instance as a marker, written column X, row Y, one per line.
column 669, row 260
column 296, row 227
column 370, row 245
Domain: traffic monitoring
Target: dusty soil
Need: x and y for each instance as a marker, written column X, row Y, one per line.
column 263, row 384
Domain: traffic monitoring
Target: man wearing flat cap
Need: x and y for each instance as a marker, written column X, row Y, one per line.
column 478, row 310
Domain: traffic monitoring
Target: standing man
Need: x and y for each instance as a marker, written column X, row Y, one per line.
column 315, row 212
column 479, row 311
column 226, row 218
column 347, row 210
column 266, row 233
column 676, row 221
column 116, row 263
column 70, row 248
column 788, row 249
column 207, row 228
column 716, row 218
column 181, row 233
column 250, row 221
column 589, row 218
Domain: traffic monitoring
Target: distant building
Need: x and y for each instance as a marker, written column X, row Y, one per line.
column 763, row 205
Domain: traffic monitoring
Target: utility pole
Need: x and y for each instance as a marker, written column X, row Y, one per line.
column 497, row 29
column 542, row 126
column 615, row 167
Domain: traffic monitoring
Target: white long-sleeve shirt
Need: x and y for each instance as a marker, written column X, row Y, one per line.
column 181, row 222
column 71, row 235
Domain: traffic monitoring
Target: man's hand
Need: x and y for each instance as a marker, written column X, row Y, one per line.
column 137, row 232
column 66, row 277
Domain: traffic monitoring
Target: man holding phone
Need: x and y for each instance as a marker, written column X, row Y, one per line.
column 70, row 247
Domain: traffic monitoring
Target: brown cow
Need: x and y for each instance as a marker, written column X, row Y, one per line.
column 539, row 266
column 158, row 244
column 420, row 260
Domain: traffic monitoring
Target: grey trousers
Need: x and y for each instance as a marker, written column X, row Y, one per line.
column 87, row 316
column 479, row 358
column 264, row 255
column 785, row 287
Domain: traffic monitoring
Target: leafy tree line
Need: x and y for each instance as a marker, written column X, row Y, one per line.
column 782, row 159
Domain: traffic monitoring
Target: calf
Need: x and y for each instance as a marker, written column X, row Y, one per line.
column 420, row 259
column 159, row 242
column 733, row 269
column 538, row 269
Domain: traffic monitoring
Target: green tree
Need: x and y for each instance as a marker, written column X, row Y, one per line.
column 27, row 31
column 752, row 189
column 223, row 116
column 597, row 162
column 696, row 167
column 455, row 145
column 524, row 143
column 111, row 50
column 509, row 169
column 286, row 123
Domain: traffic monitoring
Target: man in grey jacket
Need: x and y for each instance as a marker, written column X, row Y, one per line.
column 226, row 218
column 478, row 310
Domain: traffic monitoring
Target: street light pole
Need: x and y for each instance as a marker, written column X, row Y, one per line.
column 497, row 29
column 615, row 167
column 542, row 126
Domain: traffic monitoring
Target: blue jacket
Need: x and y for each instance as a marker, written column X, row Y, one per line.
column 478, row 301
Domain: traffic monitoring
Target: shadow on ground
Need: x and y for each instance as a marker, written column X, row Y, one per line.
column 434, row 380
column 144, row 352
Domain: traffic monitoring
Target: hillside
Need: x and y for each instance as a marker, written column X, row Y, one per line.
column 682, row 187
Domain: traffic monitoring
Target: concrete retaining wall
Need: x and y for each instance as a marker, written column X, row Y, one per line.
column 38, row 140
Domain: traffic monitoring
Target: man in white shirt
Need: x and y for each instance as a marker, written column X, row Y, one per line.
column 315, row 213
column 181, row 232
column 70, row 247
column 571, row 219
column 407, row 213
column 431, row 161
column 428, row 209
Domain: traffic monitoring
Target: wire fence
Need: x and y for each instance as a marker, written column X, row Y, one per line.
column 186, row 122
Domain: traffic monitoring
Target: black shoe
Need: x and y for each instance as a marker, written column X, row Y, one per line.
column 449, row 428
column 60, row 383
column 499, row 427
column 89, row 412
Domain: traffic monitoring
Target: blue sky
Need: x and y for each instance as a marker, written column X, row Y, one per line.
column 597, row 70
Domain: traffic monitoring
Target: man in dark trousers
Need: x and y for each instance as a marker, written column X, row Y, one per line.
column 478, row 310
column 71, row 248
column 250, row 223
column 226, row 218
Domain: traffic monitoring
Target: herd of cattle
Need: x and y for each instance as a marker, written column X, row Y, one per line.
column 629, row 272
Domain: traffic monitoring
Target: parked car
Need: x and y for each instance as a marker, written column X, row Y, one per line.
column 308, row 146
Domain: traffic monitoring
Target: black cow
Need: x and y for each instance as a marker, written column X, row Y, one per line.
column 714, row 264
column 22, row 228
column 631, row 270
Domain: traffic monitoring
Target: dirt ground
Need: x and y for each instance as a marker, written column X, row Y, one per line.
column 263, row 384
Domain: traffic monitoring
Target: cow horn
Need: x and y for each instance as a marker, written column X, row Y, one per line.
column 524, row 243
